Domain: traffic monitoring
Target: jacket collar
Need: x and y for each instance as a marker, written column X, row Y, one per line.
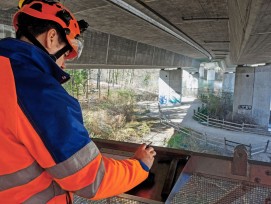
column 28, row 53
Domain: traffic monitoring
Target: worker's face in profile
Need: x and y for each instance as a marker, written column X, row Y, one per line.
column 61, row 61
column 53, row 45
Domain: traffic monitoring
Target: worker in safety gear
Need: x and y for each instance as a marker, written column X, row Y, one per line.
column 46, row 152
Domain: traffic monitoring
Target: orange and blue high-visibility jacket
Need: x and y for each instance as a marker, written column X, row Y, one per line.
column 45, row 152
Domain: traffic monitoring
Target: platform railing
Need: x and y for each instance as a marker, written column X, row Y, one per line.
column 242, row 127
column 225, row 145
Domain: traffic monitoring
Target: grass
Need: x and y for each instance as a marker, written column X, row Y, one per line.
column 183, row 140
column 178, row 140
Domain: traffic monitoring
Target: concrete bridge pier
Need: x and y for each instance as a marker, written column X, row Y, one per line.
column 201, row 72
column 190, row 83
column 170, row 87
column 228, row 82
column 210, row 75
column 252, row 94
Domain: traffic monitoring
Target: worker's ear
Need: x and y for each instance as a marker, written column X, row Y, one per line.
column 51, row 38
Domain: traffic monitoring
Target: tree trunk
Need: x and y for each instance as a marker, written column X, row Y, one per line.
column 99, row 82
column 108, row 84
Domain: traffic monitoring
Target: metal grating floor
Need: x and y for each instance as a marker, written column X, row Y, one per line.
column 113, row 200
column 208, row 190
column 205, row 190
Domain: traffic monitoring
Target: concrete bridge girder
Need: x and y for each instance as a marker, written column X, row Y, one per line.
column 105, row 50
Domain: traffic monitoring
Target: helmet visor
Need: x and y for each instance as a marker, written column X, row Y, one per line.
column 77, row 46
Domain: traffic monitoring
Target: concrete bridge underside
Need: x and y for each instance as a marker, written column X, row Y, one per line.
column 111, row 51
column 234, row 31
column 104, row 50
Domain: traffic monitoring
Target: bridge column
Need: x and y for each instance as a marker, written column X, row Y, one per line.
column 252, row 93
column 210, row 75
column 170, row 87
column 228, row 82
column 201, row 72
column 190, row 83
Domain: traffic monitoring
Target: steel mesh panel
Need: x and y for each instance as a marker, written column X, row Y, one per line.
column 208, row 190
column 205, row 190
column 113, row 200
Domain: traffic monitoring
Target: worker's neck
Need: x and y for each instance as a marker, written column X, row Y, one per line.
column 25, row 39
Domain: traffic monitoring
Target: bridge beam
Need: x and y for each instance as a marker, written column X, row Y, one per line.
column 106, row 50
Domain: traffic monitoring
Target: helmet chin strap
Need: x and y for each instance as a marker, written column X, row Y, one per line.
column 60, row 52
column 32, row 39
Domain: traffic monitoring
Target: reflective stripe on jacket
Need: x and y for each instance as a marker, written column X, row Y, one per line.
column 45, row 150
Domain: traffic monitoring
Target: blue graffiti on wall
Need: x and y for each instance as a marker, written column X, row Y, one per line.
column 163, row 100
column 174, row 100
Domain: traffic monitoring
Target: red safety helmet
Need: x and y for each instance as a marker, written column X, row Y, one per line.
column 54, row 11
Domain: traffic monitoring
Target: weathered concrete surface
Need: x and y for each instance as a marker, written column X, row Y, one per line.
column 252, row 93
column 210, row 75
column 249, row 23
column 106, row 50
column 243, row 91
column 170, row 87
column 228, row 82
column 236, row 28
column 262, row 95
column 113, row 51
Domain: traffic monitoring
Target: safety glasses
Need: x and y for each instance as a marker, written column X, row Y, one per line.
column 77, row 45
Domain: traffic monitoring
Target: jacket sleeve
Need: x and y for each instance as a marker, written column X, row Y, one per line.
column 120, row 177
column 93, row 176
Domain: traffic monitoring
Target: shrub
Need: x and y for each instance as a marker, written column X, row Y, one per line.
column 217, row 106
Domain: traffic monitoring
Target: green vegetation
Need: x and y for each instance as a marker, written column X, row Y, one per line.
column 146, row 79
column 185, row 140
column 217, row 106
column 113, row 117
column 179, row 141
column 78, row 82
column 110, row 112
column 220, row 107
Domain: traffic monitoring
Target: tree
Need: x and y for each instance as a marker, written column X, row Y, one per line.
column 79, row 79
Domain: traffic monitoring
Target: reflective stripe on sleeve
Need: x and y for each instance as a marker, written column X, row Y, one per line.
column 46, row 195
column 76, row 162
column 20, row 177
column 91, row 190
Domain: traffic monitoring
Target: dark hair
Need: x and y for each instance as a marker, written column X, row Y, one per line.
column 36, row 26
